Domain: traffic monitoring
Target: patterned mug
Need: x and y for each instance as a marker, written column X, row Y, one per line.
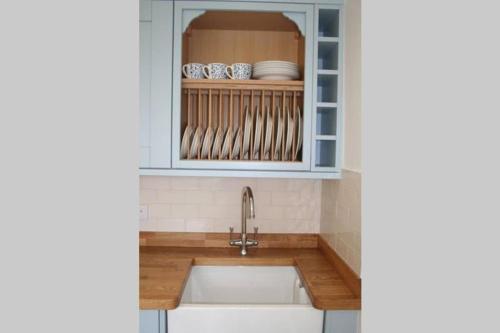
column 239, row 71
column 215, row 71
column 193, row 70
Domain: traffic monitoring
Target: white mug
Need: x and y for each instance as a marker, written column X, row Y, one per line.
column 215, row 71
column 193, row 70
column 239, row 71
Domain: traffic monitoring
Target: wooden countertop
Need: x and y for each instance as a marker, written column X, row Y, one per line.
column 164, row 271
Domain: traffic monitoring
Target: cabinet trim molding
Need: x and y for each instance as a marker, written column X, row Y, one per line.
column 189, row 15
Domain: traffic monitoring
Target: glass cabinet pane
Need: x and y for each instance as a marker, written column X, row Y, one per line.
column 327, row 88
column 328, row 55
column 325, row 153
column 328, row 23
column 326, row 121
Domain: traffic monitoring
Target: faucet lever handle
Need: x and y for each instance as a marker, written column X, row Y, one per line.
column 255, row 231
column 231, row 229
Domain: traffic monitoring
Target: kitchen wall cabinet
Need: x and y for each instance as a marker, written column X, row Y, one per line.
column 173, row 32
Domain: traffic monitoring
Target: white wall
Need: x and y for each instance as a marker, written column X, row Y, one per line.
column 210, row 204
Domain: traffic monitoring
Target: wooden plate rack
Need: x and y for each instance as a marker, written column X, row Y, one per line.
column 221, row 103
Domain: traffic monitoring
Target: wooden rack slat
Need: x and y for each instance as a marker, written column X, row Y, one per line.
column 283, row 137
column 217, row 105
column 262, row 121
column 251, row 112
column 231, row 124
column 294, row 140
column 273, row 120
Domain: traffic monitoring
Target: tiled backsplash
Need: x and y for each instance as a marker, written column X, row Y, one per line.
column 341, row 217
column 214, row 204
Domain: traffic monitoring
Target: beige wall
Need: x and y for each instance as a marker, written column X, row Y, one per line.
column 341, row 199
column 352, row 96
column 209, row 204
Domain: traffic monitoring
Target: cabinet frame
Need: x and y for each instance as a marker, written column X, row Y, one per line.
column 198, row 7
column 339, row 104
column 161, row 84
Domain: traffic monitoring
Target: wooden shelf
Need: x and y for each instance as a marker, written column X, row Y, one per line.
column 292, row 85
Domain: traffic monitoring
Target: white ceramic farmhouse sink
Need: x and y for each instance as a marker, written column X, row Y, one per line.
column 244, row 299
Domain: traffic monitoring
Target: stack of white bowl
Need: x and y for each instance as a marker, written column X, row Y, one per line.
column 275, row 70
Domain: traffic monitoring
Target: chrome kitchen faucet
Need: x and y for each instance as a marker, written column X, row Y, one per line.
column 247, row 211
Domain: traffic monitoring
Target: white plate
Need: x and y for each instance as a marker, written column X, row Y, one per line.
column 269, row 131
column 228, row 138
column 257, row 132
column 186, row 141
column 276, row 77
column 275, row 63
column 279, row 74
column 195, row 145
column 281, row 69
column 291, row 74
column 276, row 69
column 278, row 130
column 236, row 145
column 219, row 136
column 207, row 142
column 289, row 133
column 298, row 131
column 248, row 130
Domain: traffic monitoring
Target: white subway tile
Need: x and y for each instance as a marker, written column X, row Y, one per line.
column 172, row 196
column 223, row 212
column 159, row 210
column 184, row 183
column 222, row 225
column 262, row 198
column 285, row 198
column 227, row 197
column 184, row 211
column 147, row 196
column 147, row 225
column 199, row 225
column 299, row 212
column 170, row 225
column 272, row 184
column 154, row 182
column 270, row 212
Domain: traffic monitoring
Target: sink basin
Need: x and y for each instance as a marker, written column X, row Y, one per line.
column 244, row 299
